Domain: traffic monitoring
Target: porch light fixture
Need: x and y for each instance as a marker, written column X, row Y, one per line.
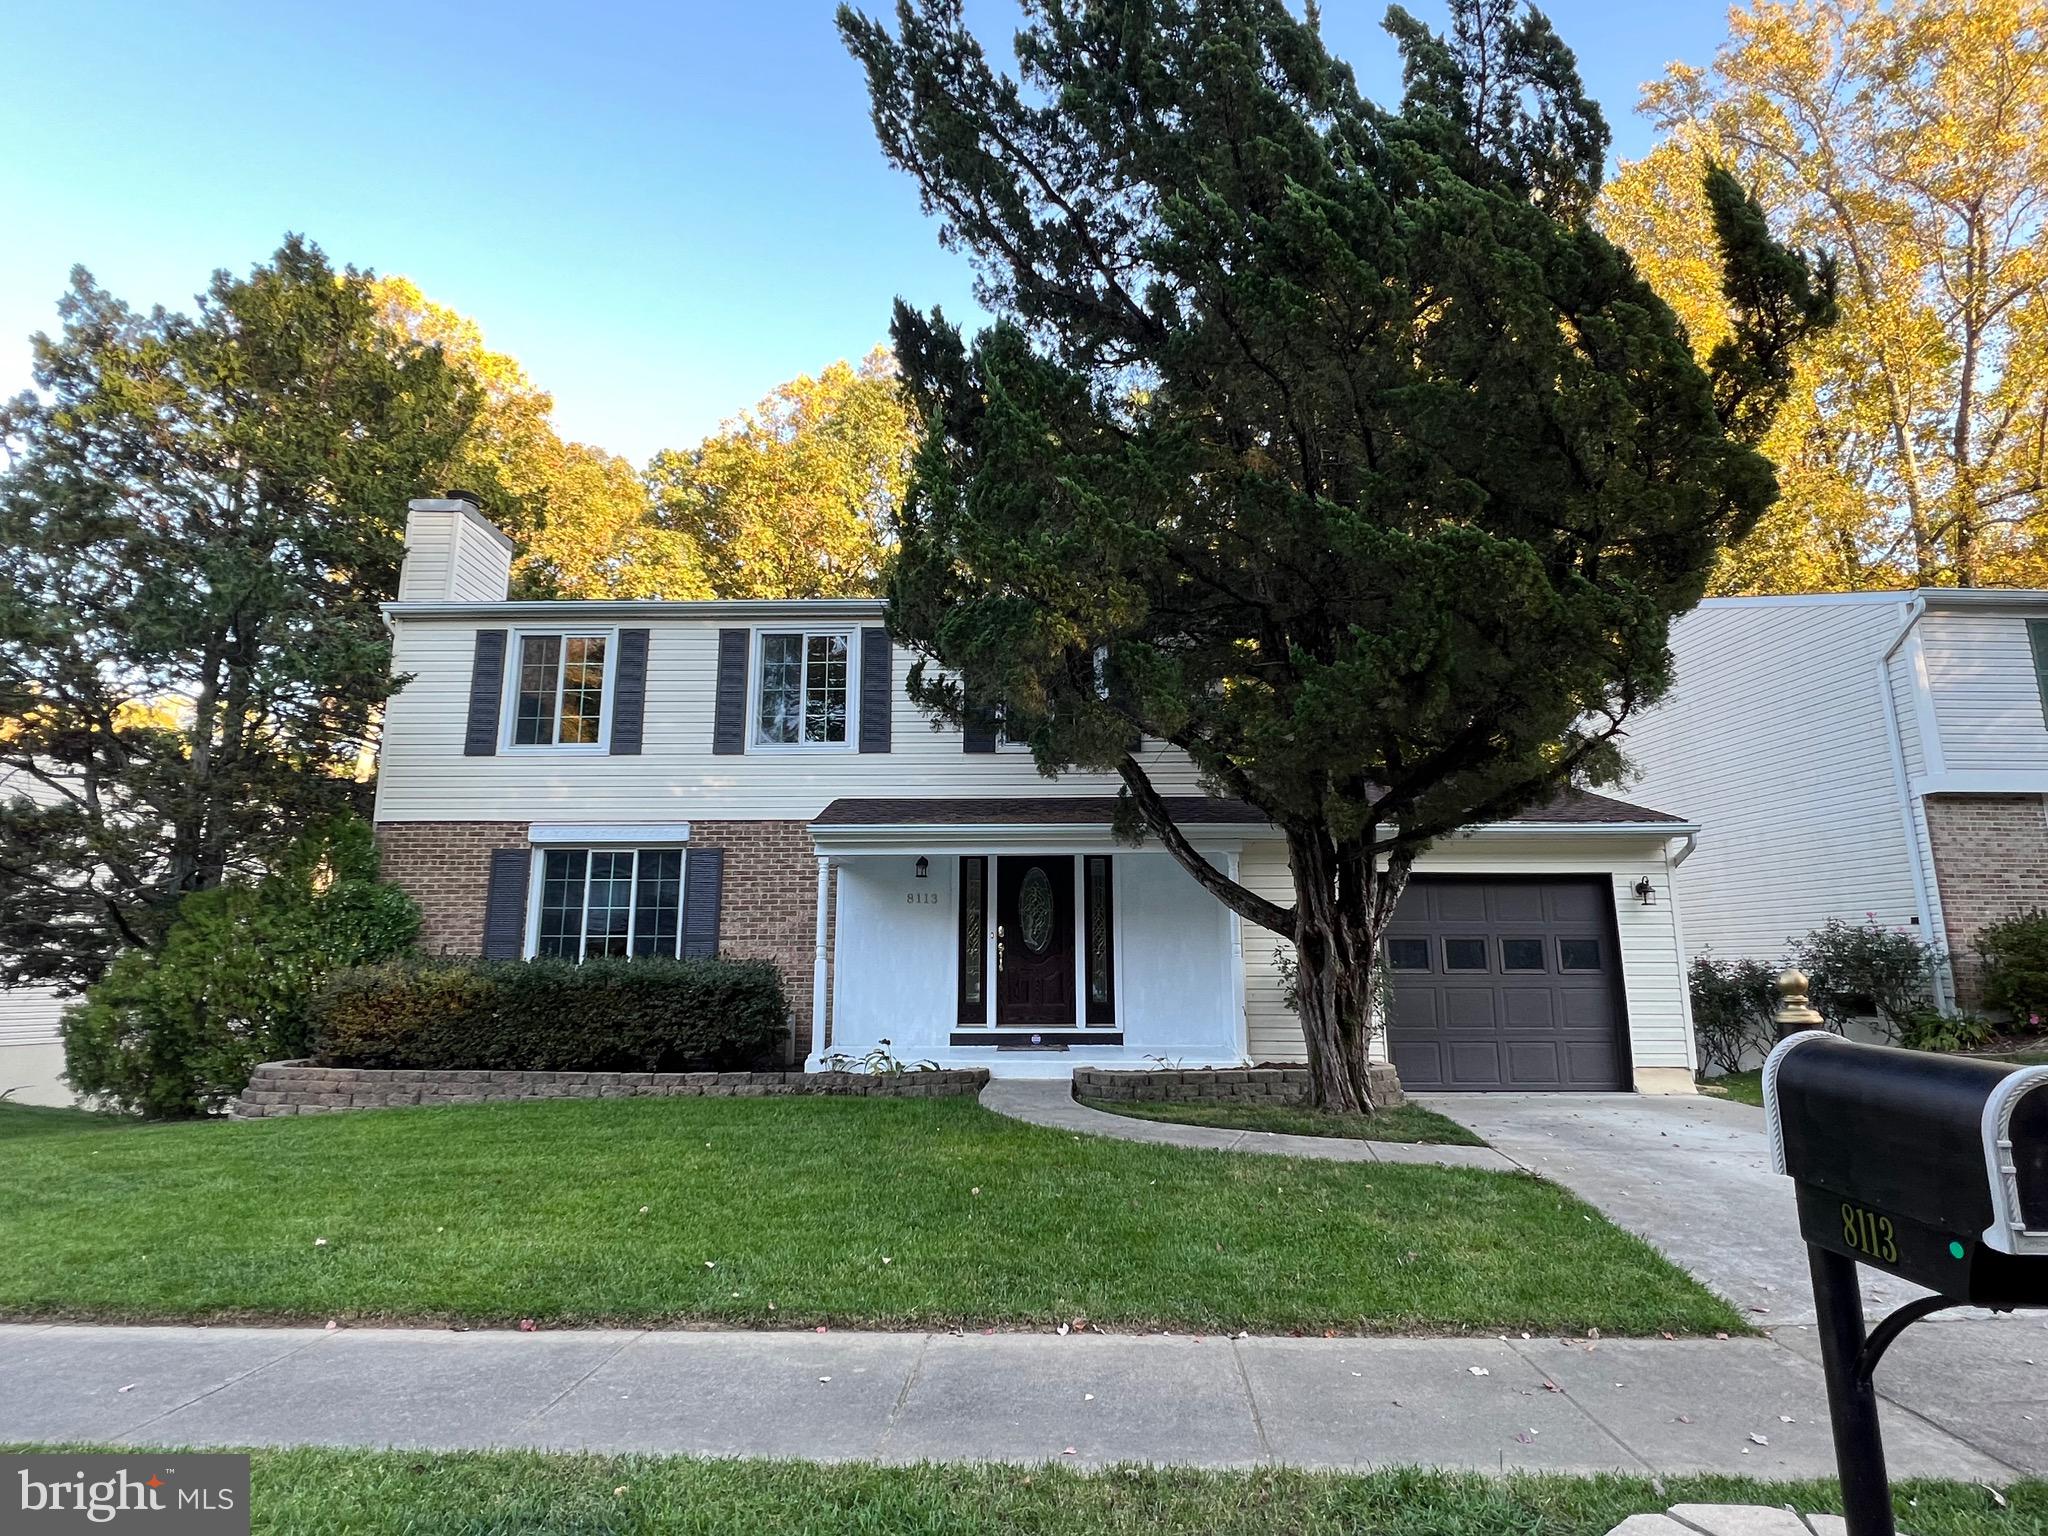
column 924, row 867
column 1646, row 893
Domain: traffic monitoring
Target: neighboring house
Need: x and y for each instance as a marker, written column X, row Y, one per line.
column 1859, row 755
column 751, row 778
column 31, row 1055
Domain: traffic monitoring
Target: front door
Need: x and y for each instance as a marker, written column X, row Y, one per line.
column 1035, row 940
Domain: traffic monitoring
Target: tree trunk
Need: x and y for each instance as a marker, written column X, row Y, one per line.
column 1336, row 951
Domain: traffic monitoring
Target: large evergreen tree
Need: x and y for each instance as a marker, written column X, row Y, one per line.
column 198, row 518
column 1329, row 444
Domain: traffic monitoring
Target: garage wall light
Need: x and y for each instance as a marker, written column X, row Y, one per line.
column 1646, row 893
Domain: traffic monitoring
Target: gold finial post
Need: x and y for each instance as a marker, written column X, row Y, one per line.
column 1794, row 1012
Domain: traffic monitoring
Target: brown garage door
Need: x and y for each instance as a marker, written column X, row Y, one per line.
column 1506, row 984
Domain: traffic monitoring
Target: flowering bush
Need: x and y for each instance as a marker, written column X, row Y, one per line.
column 2015, row 955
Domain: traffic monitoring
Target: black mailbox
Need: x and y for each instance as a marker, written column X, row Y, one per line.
column 1934, row 1168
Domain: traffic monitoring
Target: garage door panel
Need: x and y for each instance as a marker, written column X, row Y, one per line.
column 1475, row 1064
column 1578, row 903
column 1470, row 1008
column 1535, row 1064
column 1535, row 1027
column 1515, row 903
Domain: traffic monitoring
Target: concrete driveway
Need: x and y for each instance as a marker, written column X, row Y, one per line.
column 1692, row 1176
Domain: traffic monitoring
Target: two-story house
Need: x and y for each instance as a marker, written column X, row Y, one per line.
column 1861, row 755
column 751, row 778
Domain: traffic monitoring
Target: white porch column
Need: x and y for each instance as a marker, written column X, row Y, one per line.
column 1244, row 1047
column 818, row 958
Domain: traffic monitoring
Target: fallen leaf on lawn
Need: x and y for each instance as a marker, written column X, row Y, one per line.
column 824, row 1378
column 643, row 1210
column 1785, row 1418
column 1592, row 1333
column 711, row 1264
column 819, row 1329
column 887, row 1260
column 319, row 1242
column 332, row 1325
column 1068, row 1451
column 1663, row 1335
column 1756, row 1439
column 1062, row 1330
column 618, row 1490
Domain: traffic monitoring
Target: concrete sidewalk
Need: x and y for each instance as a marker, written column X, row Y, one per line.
column 1750, row 1406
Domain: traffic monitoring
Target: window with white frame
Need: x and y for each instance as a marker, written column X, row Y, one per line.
column 558, row 698
column 610, row 901
column 801, row 694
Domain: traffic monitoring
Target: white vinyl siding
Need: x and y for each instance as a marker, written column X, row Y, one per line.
column 1773, row 738
column 1660, row 1028
column 425, row 777
column 1987, row 698
column 28, row 1016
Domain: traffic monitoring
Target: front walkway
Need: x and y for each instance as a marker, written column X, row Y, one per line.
column 1742, row 1406
column 1051, row 1102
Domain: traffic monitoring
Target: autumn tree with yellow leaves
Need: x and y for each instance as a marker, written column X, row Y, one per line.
column 1909, row 139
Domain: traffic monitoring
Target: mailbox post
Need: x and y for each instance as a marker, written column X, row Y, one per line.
column 1931, row 1168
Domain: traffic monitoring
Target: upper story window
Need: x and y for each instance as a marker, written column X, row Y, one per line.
column 559, row 700
column 801, row 694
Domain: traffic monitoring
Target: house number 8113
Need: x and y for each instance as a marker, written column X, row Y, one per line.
column 1869, row 1233
column 922, row 898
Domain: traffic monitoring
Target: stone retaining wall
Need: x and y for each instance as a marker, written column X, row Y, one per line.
column 303, row 1088
column 1228, row 1085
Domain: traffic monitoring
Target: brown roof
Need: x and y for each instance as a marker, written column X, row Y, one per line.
column 1573, row 808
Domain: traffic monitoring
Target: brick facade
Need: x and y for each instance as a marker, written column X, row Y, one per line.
column 1990, row 863
column 767, row 911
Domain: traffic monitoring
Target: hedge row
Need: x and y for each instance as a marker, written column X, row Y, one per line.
column 553, row 1015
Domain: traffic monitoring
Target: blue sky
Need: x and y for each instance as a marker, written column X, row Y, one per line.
column 662, row 209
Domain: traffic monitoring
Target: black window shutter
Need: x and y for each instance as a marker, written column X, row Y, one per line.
column 486, row 690
column 505, row 905
column 629, row 693
column 729, row 716
column 703, row 887
column 978, row 731
column 877, row 689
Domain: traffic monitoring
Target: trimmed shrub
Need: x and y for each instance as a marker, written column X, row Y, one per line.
column 1732, row 1003
column 553, row 1015
column 176, row 1030
column 2015, row 955
column 1930, row 1029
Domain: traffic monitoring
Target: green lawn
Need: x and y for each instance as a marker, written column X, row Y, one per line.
column 788, row 1212
column 1742, row 1087
column 329, row 1493
column 1411, row 1122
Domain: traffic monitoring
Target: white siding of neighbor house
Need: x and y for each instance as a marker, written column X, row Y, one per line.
column 30, row 1056
column 423, row 775
column 1774, row 739
column 1659, row 1012
column 1987, row 700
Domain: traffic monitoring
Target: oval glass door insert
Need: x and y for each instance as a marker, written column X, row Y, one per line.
column 1034, row 909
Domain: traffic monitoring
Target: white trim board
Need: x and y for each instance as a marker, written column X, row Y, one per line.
column 575, row 835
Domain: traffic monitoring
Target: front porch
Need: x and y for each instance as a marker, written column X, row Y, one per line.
column 1018, row 935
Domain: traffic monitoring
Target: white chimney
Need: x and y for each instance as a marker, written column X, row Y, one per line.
column 453, row 554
